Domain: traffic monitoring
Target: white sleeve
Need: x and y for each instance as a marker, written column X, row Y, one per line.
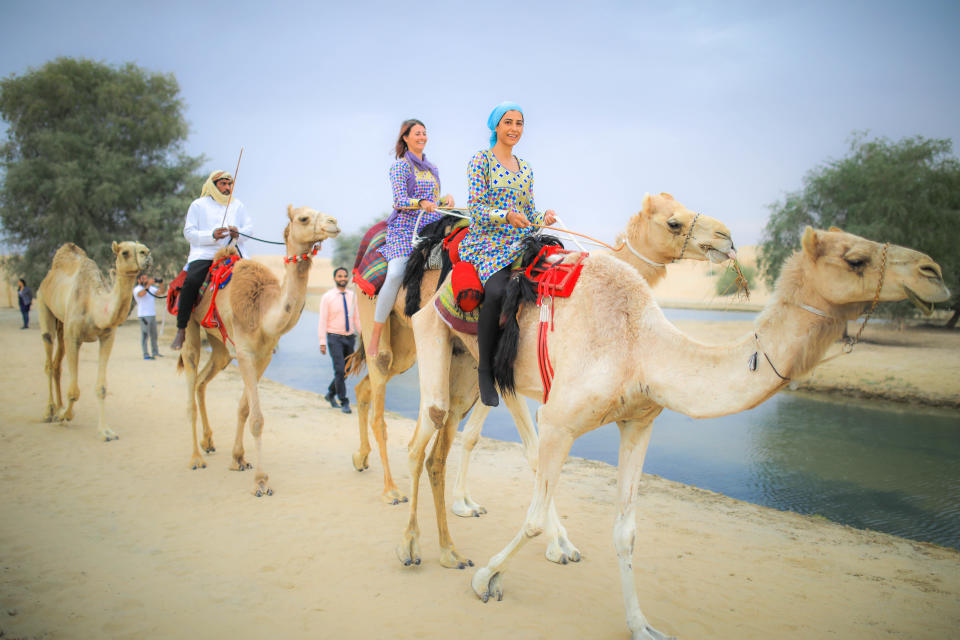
column 191, row 228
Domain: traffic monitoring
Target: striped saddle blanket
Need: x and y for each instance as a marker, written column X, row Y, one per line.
column 370, row 267
column 451, row 313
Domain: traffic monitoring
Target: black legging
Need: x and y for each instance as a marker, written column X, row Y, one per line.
column 488, row 325
column 196, row 274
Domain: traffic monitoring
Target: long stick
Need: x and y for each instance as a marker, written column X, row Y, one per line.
column 230, row 197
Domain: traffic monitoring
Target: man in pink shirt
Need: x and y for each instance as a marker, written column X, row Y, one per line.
column 339, row 323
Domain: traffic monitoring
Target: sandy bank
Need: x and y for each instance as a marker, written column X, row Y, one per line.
column 122, row 540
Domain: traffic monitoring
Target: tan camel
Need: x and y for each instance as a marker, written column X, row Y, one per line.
column 76, row 304
column 627, row 363
column 664, row 230
column 256, row 309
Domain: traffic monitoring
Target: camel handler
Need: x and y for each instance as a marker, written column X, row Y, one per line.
column 208, row 230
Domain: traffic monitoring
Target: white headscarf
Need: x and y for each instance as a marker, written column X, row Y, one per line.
column 210, row 189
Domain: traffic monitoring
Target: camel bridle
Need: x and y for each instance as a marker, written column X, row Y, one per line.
column 849, row 342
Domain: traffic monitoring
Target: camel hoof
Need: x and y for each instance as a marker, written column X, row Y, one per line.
column 360, row 461
column 209, row 449
column 486, row 584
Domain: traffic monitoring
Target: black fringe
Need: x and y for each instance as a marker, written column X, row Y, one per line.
column 430, row 235
column 519, row 289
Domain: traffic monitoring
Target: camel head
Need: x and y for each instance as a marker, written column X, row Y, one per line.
column 663, row 229
column 844, row 270
column 132, row 258
column 307, row 227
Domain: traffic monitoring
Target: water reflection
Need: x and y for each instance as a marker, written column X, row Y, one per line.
column 859, row 464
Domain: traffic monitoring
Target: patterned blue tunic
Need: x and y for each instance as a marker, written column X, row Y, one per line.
column 400, row 229
column 492, row 243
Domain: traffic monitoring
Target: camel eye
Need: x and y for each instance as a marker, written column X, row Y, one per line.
column 126, row 254
column 304, row 219
column 857, row 264
column 674, row 225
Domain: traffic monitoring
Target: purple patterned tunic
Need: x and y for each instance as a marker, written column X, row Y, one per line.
column 400, row 229
column 492, row 243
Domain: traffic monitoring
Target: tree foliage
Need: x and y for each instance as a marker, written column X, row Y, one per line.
column 94, row 154
column 905, row 192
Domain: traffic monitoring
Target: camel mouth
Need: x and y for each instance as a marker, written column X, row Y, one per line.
column 717, row 256
column 925, row 306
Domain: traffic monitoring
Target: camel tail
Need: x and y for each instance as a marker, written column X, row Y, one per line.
column 506, row 353
column 356, row 360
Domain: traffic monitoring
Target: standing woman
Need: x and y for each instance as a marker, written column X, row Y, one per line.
column 25, row 297
column 416, row 188
column 501, row 214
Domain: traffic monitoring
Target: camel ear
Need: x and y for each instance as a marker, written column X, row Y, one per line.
column 666, row 195
column 647, row 208
column 836, row 229
column 811, row 242
column 115, row 247
column 290, row 211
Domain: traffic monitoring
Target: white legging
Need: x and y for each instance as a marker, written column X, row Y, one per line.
column 388, row 292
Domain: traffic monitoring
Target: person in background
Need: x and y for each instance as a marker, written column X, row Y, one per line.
column 145, row 295
column 501, row 214
column 339, row 324
column 416, row 190
column 210, row 226
column 25, row 298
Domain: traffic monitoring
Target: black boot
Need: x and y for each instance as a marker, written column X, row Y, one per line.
column 488, row 391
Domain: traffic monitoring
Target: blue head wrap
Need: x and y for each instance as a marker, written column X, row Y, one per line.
column 496, row 115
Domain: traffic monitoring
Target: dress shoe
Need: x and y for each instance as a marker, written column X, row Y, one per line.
column 346, row 408
column 332, row 400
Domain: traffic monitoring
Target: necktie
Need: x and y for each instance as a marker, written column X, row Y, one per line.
column 346, row 312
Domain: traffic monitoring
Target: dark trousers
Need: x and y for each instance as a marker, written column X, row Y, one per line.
column 196, row 274
column 488, row 324
column 340, row 347
column 26, row 316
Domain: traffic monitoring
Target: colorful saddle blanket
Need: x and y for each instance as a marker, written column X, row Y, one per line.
column 219, row 275
column 370, row 267
column 451, row 313
column 176, row 285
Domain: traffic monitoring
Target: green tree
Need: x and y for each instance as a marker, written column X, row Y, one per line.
column 93, row 154
column 905, row 192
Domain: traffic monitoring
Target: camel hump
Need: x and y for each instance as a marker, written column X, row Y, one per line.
column 68, row 257
column 226, row 251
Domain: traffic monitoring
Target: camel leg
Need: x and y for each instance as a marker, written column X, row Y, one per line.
column 251, row 370
column 554, row 447
column 463, row 394
column 378, row 394
column 189, row 360
column 243, row 413
column 49, row 328
column 463, row 505
column 434, row 353
column 361, row 459
column 72, row 347
column 634, row 439
column 219, row 358
column 58, row 365
column 106, row 346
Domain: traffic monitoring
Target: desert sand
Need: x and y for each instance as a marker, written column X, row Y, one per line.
column 123, row 540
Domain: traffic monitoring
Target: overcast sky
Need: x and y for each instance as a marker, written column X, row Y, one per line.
column 726, row 105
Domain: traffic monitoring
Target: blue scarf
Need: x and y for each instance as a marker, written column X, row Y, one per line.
column 496, row 115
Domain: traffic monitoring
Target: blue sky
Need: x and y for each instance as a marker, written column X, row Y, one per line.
column 726, row 105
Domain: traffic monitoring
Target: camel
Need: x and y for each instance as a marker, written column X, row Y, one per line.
column 656, row 236
column 255, row 309
column 626, row 363
column 663, row 231
column 76, row 305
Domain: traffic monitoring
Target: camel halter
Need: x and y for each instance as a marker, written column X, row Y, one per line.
column 642, row 257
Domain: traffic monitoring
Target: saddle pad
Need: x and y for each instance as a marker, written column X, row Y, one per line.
column 370, row 267
column 455, row 317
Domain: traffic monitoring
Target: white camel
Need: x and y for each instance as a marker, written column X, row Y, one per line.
column 662, row 232
column 617, row 359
